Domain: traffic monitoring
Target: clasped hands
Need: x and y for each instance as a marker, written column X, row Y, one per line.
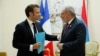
column 60, row 45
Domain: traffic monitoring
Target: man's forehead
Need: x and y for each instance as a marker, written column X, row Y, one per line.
column 36, row 9
column 63, row 11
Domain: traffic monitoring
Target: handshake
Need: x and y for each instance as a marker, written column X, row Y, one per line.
column 59, row 45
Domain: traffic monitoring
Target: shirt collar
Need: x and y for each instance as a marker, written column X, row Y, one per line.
column 29, row 21
column 70, row 21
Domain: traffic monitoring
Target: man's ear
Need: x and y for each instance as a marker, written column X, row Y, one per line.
column 30, row 13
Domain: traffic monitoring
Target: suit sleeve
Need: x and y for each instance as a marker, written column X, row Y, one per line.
column 51, row 37
column 18, row 39
column 48, row 36
column 80, row 34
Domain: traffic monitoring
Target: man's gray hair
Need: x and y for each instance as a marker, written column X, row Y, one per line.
column 70, row 9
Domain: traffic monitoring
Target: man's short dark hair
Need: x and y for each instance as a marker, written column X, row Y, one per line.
column 30, row 8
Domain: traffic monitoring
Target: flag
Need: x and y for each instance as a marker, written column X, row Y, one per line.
column 49, row 49
column 84, row 17
column 45, row 22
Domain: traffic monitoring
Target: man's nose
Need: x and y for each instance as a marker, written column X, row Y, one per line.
column 39, row 14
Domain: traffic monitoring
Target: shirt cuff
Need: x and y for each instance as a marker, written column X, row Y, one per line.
column 31, row 48
column 59, row 37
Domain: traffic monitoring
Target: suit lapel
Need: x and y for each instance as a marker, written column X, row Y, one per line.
column 66, row 33
column 28, row 29
column 39, row 28
column 69, row 29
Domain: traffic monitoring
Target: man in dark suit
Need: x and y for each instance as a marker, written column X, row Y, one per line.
column 24, row 36
column 73, row 36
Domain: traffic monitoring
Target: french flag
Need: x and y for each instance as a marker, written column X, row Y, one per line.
column 45, row 22
column 84, row 18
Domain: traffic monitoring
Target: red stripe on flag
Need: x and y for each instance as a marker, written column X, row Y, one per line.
column 49, row 49
column 84, row 16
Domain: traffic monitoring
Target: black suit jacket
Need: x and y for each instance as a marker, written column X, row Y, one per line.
column 74, row 39
column 23, row 38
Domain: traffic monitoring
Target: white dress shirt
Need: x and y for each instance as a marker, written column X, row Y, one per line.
column 31, row 27
column 69, row 22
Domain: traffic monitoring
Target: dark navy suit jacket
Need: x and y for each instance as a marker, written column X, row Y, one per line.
column 74, row 39
column 23, row 38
